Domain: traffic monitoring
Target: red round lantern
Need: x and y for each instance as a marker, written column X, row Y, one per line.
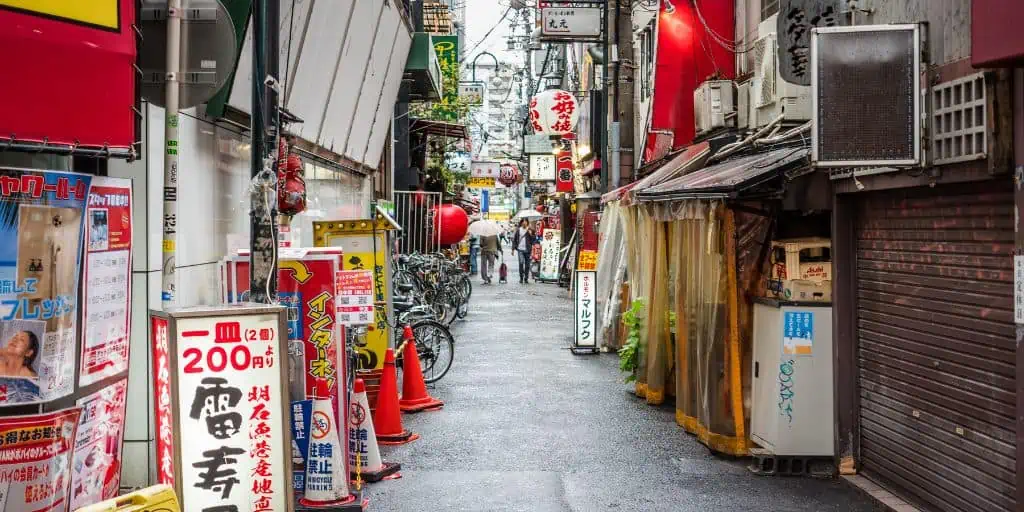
column 507, row 176
column 291, row 186
column 452, row 223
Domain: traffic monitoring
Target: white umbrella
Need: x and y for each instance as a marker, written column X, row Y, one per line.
column 485, row 228
column 528, row 215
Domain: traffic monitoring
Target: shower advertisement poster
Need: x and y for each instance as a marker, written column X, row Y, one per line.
column 42, row 217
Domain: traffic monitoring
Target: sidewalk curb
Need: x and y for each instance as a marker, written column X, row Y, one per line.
column 882, row 498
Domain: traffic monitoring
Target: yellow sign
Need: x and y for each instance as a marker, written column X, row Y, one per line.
column 100, row 13
column 480, row 183
column 499, row 216
column 356, row 239
column 588, row 260
column 158, row 497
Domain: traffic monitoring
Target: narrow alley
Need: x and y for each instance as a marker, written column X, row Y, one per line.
column 529, row 426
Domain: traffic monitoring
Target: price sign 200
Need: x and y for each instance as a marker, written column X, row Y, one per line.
column 218, row 357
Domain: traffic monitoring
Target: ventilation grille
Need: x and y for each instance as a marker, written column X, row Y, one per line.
column 764, row 56
column 959, row 120
column 866, row 83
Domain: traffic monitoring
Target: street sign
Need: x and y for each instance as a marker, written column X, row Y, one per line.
column 542, row 167
column 483, row 183
column 472, row 92
column 571, row 23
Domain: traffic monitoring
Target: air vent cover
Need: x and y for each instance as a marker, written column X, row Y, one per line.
column 865, row 84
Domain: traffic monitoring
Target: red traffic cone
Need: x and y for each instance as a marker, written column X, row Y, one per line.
column 414, row 390
column 387, row 422
column 362, row 443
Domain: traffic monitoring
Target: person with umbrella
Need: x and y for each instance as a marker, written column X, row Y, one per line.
column 490, row 246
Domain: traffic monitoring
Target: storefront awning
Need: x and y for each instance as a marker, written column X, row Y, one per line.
column 728, row 179
column 439, row 128
column 682, row 163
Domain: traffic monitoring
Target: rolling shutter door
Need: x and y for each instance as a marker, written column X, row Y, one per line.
column 936, row 349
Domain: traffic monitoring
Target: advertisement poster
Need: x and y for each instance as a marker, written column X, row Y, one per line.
column 106, row 299
column 36, row 453
column 306, row 287
column 230, row 402
column 354, row 297
column 798, row 333
column 550, row 248
column 302, row 413
column 41, row 223
column 96, row 465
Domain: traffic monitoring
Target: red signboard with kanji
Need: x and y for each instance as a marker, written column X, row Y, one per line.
column 563, row 171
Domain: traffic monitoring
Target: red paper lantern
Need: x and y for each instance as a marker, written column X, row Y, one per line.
column 452, row 222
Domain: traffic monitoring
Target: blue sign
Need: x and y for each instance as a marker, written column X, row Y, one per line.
column 302, row 413
column 485, row 201
column 798, row 333
column 293, row 301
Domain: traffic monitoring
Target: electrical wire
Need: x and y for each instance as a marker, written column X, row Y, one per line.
column 718, row 38
column 489, row 31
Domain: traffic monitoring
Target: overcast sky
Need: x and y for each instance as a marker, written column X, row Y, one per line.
column 481, row 15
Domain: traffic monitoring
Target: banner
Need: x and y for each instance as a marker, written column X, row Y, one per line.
column 106, row 299
column 41, row 222
column 75, row 83
column 36, row 453
column 563, row 172
column 96, row 464
column 447, row 49
column 550, row 247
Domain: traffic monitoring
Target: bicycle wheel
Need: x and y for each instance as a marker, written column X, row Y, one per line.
column 404, row 277
column 436, row 348
column 466, row 287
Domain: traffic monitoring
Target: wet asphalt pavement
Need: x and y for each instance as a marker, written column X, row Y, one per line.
column 527, row 426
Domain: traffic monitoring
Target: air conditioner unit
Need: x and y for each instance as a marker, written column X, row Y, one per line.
column 772, row 96
column 743, row 105
column 714, row 103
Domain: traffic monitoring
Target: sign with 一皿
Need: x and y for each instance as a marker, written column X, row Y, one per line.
column 354, row 297
column 586, row 309
column 542, row 167
column 227, row 373
column 480, row 183
column 472, row 92
column 571, row 23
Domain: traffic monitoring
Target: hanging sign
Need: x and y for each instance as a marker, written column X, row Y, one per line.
column 564, row 172
column 472, row 93
column 571, row 23
column 36, row 461
column 542, row 167
column 586, row 334
column 486, row 169
column 550, row 247
column 354, row 297
column 480, row 183
column 43, row 213
column 228, row 389
column 106, row 298
column 96, row 465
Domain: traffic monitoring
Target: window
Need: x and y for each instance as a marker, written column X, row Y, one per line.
column 647, row 49
column 768, row 8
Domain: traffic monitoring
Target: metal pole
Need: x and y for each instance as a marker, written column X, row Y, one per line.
column 263, row 188
column 167, row 288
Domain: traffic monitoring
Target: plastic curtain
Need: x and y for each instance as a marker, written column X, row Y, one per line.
column 656, row 337
column 611, row 271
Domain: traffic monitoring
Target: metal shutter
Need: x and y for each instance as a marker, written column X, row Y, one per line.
column 936, row 347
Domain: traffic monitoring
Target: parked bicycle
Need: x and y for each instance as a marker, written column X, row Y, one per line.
column 435, row 280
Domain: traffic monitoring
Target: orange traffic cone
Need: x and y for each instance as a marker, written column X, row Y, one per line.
column 362, row 443
column 387, row 422
column 414, row 391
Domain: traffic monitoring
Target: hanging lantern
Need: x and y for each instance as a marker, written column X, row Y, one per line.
column 452, row 222
column 291, row 186
column 554, row 112
column 507, row 175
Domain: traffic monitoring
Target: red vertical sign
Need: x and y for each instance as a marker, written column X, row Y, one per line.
column 162, row 395
column 563, row 171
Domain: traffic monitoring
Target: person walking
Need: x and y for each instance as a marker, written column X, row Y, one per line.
column 490, row 248
column 522, row 243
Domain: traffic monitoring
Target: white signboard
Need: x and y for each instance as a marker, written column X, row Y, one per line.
column 586, row 308
column 571, row 22
column 550, row 246
column 485, row 169
column 231, row 413
column 542, row 167
column 353, row 297
column 472, row 92
column 537, row 143
column 1018, row 289
column 458, row 161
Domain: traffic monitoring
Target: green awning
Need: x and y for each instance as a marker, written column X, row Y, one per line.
column 423, row 70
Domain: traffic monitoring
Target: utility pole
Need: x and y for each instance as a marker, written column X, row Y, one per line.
column 167, row 288
column 621, row 128
column 265, row 121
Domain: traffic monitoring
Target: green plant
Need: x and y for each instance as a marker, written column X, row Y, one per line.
column 629, row 354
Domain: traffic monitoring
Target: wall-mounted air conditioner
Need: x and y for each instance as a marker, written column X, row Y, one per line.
column 770, row 95
column 743, row 105
column 714, row 105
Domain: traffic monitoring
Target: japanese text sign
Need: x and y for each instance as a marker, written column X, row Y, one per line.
column 229, row 404
column 551, row 246
column 586, row 309
column 571, row 22
column 96, row 465
column 36, row 460
column 354, row 297
column 542, row 167
column 564, row 172
column 588, row 260
column 488, row 169
column 798, row 333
